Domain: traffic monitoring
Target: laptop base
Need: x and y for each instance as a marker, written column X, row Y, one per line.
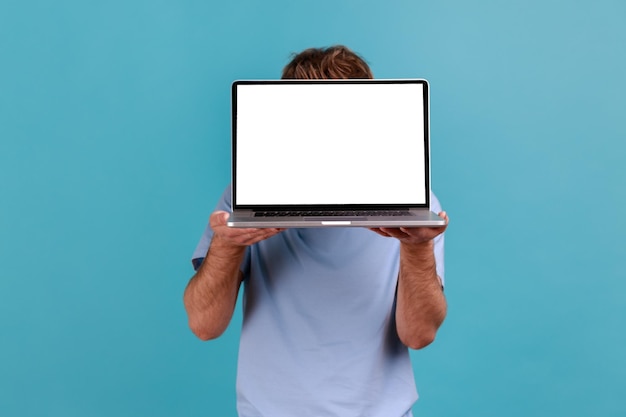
column 420, row 218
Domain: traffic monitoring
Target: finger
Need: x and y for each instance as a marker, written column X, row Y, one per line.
column 218, row 219
column 423, row 234
column 394, row 232
column 252, row 236
column 378, row 231
column 237, row 236
column 219, row 222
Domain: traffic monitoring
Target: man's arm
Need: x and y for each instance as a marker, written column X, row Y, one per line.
column 211, row 295
column 421, row 305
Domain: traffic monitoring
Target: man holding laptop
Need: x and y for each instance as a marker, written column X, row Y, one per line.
column 329, row 311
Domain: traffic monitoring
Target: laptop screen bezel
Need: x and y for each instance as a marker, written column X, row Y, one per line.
column 330, row 207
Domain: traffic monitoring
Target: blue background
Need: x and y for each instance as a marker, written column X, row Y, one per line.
column 114, row 147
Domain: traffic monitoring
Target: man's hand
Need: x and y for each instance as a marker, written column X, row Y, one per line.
column 421, row 306
column 235, row 236
column 413, row 235
column 211, row 295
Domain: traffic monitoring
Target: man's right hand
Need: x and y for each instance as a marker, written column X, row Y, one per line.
column 211, row 295
column 240, row 237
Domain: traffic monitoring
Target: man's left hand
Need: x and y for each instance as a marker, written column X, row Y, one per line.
column 413, row 235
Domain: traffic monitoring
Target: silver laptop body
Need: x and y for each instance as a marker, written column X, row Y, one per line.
column 323, row 153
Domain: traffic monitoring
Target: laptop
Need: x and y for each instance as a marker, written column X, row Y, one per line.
column 331, row 153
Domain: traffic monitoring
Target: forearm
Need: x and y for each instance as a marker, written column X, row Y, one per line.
column 211, row 295
column 421, row 305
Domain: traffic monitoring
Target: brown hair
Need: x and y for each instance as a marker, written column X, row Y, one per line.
column 327, row 63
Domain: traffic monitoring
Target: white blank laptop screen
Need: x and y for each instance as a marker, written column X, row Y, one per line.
column 340, row 143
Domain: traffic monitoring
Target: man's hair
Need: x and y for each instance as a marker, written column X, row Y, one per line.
column 334, row 62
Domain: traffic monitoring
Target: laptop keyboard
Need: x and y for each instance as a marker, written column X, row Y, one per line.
column 351, row 213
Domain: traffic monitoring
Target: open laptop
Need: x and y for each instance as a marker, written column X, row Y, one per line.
column 324, row 153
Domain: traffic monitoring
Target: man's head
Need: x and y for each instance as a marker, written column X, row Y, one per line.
column 327, row 63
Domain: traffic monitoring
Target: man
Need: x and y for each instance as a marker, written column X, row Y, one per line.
column 329, row 314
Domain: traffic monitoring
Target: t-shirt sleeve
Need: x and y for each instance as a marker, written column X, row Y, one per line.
column 224, row 204
column 435, row 207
